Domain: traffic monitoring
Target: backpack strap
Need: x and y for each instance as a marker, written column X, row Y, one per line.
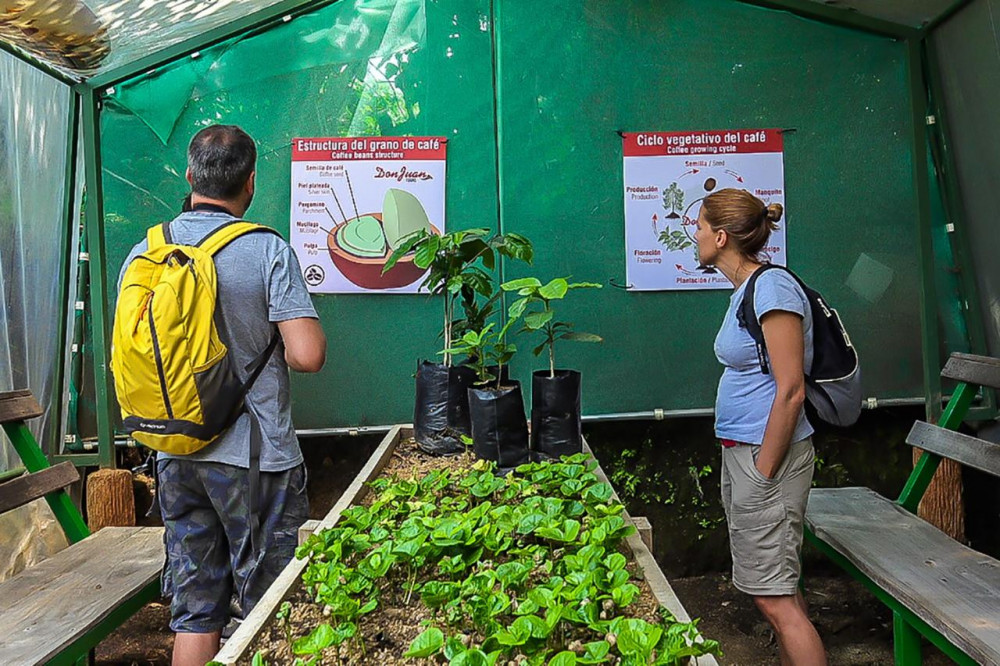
column 227, row 233
column 746, row 315
column 157, row 236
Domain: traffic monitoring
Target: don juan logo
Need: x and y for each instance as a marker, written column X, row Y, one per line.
column 401, row 174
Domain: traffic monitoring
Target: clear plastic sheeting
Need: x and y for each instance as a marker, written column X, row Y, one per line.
column 65, row 33
column 31, row 533
column 86, row 37
column 34, row 112
column 966, row 51
column 372, row 36
column 138, row 28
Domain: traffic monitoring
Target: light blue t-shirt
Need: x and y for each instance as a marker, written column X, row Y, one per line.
column 259, row 284
column 743, row 402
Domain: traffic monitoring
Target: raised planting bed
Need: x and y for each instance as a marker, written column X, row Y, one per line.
column 437, row 560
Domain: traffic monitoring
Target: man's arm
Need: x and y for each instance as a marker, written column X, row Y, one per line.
column 305, row 344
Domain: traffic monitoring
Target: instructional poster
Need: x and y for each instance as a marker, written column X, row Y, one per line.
column 354, row 200
column 668, row 175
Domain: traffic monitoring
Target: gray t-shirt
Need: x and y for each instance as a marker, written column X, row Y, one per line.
column 743, row 403
column 259, row 284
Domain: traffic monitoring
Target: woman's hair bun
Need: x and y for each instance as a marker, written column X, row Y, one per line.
column 774, row 212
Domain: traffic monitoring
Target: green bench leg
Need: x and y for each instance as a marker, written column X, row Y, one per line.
column 906, row 642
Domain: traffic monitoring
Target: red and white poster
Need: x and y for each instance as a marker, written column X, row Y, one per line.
column 668, row 175
column 354, row 199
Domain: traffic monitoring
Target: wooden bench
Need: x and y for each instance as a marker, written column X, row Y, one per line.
column 936, row 587
column 56, row 611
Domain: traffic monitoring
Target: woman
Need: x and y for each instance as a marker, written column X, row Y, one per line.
column 767, row 455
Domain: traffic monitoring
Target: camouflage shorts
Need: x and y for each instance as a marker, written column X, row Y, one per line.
column 209, row 553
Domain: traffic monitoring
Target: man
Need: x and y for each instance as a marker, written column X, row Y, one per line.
column 203, row 496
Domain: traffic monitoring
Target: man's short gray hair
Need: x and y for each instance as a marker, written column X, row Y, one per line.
column 221, row 159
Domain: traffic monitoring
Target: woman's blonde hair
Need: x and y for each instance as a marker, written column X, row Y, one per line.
column 744, row 217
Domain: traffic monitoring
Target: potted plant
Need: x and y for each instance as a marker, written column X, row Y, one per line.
column 459, row 268
column 555, row 394
column 496, row 404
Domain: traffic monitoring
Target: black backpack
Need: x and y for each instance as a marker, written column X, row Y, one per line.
column 834, row 385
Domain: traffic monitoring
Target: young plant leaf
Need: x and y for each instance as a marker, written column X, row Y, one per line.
column 521, row 283
column 474, row 657
column 407, row 245
column 428, row 643
column 554, row 290
column 536, row 320
column 427, row 251
column 318, row 640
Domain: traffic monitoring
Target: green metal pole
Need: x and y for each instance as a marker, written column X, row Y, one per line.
column 98, row 276
column 68, row 255
column 12, row 474
column 923, row 471
column 78, row 459
column 34, row 460
column 905, row 642
column 498, row 135
column 928, row 296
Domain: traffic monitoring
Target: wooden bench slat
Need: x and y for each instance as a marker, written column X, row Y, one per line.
column 18, row 492
column 951, row 587
column 980, row 370
column 51, row 604
column 968, row 450
column 18, row 406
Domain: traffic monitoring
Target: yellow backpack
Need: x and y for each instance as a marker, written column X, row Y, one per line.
column 176, row 384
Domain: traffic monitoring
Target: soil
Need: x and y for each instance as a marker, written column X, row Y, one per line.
column 390, row 629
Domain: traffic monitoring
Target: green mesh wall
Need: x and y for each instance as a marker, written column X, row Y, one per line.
column 396, row 68
column 564, row 83
column 710, row 64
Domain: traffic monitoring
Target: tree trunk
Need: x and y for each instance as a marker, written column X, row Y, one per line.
column 110, row 499
column 942, row 504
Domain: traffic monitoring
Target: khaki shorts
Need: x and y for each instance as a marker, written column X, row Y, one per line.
column 765, row 518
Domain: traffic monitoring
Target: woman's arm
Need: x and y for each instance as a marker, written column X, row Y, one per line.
column 785, row 348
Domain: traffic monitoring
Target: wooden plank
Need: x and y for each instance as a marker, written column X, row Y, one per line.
column 50, row 605
column 645, row 529
column 664, row 594
column 239, row 643
column 19, row 406
column 972, row 369
column 30, row 487
column 658, row 584
column 951, row 587
column 970, row 451
column 236, row 648
column 306, row 530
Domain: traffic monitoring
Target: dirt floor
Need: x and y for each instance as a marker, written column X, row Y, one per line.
column 856, row 629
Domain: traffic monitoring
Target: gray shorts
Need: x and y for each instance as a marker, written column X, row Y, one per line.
column 209, row 555
column 765, row 518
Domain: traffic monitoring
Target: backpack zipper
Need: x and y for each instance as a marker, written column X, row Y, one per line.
column 159, row 359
